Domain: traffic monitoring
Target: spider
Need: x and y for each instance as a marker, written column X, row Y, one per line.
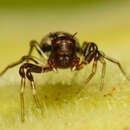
column 60, row 50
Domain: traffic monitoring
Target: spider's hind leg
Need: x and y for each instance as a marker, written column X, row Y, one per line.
column 117, row 63
column 34, row 44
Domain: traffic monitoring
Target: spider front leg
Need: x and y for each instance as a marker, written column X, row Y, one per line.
column 22, row 97
column 94, row 68
column 90, row 52
column 29, row 69
column 21, row 60
column 101, row 59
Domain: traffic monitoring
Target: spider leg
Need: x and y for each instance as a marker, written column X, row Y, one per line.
column 35, row 95
column 116, row 62
column 101, row 59
column 22, row 98
column 90, row 52
column 29, row 69
column 31, row 58
column 94, row 68
column 34, row 44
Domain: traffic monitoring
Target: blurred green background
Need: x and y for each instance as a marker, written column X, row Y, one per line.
column 106, row 23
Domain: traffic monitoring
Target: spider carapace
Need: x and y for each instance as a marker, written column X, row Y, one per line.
column 60, row 50
column 63, row 50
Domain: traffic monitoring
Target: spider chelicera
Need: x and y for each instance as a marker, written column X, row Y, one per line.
column 60, row 50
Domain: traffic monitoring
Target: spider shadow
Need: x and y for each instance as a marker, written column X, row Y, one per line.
column 57, row 93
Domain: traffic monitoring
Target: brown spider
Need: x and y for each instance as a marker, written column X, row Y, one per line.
column 60, row 50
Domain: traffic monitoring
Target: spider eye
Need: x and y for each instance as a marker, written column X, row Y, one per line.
column 64, row 58
column 58, row 41
column 61, row 58
column 67, row 58
column 69, row 41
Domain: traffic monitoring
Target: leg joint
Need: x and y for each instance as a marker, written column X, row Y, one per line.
column 93, row 73
column 33, row 42
column 29, row 75
column 21, row 72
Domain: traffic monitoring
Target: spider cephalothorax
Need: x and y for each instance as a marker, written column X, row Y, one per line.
column 61, row 50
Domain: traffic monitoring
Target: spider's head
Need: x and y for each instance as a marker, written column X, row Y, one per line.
column 63, row 50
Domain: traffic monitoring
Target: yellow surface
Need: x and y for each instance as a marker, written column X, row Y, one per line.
column 63, row 109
